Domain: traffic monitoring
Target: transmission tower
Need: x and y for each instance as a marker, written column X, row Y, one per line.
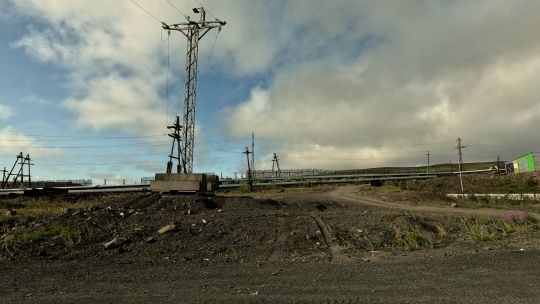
column 22, row 161
column 194, row 32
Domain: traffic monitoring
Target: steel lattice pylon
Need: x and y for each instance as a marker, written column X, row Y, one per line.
column 194, row 32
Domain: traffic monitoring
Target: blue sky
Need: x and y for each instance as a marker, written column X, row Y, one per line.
column 332, row 85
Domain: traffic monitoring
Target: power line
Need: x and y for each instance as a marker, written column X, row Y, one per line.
column 74, row 138
column 178, row 10
column 150, row 14
column 85, row 147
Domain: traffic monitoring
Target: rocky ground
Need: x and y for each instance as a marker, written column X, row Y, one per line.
column 322, row 245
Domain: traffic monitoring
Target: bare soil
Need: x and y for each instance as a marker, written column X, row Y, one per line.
column 314, row 245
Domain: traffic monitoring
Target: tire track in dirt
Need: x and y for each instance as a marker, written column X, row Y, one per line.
column 281, row 237
column 330, row 239
column 347, row 194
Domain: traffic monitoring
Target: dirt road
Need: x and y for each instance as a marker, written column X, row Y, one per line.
column 484, row 277
column 302, row 246
column 351, row 195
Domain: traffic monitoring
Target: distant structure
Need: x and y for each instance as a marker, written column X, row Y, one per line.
column 194, row 32
column 23, row 162
column 529, row 162
column 275, row 164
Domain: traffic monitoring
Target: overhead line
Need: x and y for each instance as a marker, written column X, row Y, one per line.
column 178, row 10
column 150, row 14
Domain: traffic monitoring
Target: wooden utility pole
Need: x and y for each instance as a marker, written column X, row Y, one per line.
column 253, row 151
column 250, row 179
column 175, row 134
column 459, row 147
column 427, row 169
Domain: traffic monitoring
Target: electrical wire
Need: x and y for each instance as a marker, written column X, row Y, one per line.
column 92, row 146
column 150, row 14
column 208, row 61
column 178, row 10
column 168, row 73
column 73, row 138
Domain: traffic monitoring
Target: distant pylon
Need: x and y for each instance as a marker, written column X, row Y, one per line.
column 275, row 162
column 22, row 161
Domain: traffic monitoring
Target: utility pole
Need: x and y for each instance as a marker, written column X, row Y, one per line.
column 175, row 134
column 4, row 175
column 250, row 180
column 275, row 161
column 459, row 147
column 194, row 32
column 253, row 151
column 27, row 158
column 427, row 169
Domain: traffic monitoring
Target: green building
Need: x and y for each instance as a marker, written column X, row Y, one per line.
column 529, row 162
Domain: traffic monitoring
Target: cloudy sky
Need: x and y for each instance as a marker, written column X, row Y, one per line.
column 87, row 88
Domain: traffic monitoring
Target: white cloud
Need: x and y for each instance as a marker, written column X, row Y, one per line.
column 13, row 142
column 5, row 111
column 422, row 73
column 346, row 78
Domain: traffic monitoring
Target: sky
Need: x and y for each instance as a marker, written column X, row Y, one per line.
column 87, row 88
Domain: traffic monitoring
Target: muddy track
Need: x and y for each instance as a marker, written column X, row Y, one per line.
column 349, row 195
column 281, row 237
column 330, row 239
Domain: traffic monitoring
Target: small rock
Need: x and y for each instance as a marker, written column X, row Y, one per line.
column 167, row 229
column 365, row 259
column 150, row 240
column 317, row 243
column 188, row 212
column 219, row 210
column 10, row 213
column 206, row 259
column 256, row 293
column 453, row 205
column 114, row 243
column 122, row 214
column 204, row 221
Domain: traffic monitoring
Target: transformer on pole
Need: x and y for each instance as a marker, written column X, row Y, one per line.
column 194, row 32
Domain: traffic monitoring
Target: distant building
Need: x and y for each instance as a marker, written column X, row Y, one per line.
column 529, row 162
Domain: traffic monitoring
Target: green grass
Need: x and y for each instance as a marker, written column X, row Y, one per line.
column 483, row 229
column 22, row 236
column 413, row 239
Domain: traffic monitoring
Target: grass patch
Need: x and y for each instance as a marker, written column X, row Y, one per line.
column 412, row 239
column 23, row 236
column 492, row 229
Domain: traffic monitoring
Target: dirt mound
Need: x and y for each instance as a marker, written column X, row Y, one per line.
column 151, row 228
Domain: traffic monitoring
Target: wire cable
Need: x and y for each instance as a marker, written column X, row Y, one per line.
column 178, row 10
column 150, row 14
column 168, row 73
